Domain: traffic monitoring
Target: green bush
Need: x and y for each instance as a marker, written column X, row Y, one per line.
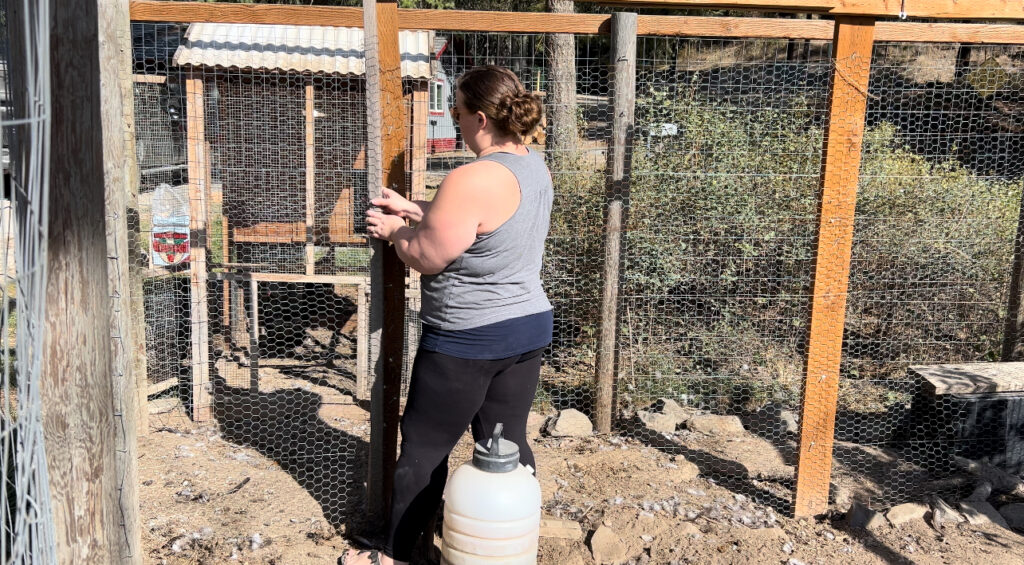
column 720, row 245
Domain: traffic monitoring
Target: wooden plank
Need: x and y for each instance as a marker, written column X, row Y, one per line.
column 150, row 79
column 76, row 385
column 154, row 389
column 994, row 34
column 698, row 26
column 188, row 12
column 254, row 336
column 385, row 107
column 932, row 9
column 270, row 232
column 362, row 342
column 310, row 180
column 289, row 278
column 623, row 61
column 201, row 401
column 841, row 157
column 1012, row 323
column 418, row 142
column 163, row 405
column 970, row 378
column 526, row 22
column 561, row 529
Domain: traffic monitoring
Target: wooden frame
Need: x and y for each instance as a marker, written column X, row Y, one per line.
column 937, row 9
column 841, row 157
column 529, row 22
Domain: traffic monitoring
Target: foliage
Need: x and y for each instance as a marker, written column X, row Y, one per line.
column 719, row 255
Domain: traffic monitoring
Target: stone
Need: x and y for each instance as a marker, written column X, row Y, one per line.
column 790, row 421
column 606, row 546
column 715, row 425
column 672, row 409
column 903, row 513
column 1014, row 515
column 661, row 423
column 863, row 518
column 749, row 456
column 981, row 513
column 943, row 514
column 534, row 424
column 570, row 423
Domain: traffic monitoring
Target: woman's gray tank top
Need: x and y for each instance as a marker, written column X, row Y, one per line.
column 498, row 277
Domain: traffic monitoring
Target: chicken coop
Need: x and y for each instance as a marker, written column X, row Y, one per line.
column 275, row 135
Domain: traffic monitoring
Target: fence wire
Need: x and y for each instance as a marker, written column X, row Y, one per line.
column 26, row 527
column 254, row 172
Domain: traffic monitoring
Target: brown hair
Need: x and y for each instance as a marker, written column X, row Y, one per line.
column 497, row 92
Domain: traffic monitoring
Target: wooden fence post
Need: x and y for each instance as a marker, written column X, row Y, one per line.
column 619, row 157
column 1011, row 326
column 78, row 387
column 202, row 408
column 841, row 155
column 385, row 100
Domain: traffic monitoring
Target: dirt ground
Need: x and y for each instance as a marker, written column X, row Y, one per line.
column 210, row 496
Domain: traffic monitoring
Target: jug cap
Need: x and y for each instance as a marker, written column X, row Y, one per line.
column 496, row 455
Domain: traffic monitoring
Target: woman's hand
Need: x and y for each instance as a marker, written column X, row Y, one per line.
column 381, row 225
column 390, row 202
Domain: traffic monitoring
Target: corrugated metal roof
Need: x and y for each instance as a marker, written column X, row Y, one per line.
column 316, row 49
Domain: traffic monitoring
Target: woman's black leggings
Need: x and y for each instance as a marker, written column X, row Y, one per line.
column 446, row 394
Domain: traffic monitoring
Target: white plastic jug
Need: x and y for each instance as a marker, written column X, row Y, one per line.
column 491, row 508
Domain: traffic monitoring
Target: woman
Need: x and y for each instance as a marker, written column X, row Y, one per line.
column 486, row 319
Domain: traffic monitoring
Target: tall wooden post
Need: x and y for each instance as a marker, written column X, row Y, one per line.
column 384, row 100
column 841, row 155
column 619, row 157
column 120, row 180
column 1011, row 326
column 77, row 385
column 197, row 192
column 562, row 143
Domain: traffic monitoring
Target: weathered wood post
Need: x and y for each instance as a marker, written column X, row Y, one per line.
column 386, row 124
column 87, row 152
column 619, row 156
column 841, row 155
column 120, row 171
column 199, row 308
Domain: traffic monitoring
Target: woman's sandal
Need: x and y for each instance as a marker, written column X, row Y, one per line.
column 373, row 553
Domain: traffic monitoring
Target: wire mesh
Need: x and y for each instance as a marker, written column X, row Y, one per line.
column 937, row 213
column 26, row 517
column 257, row 303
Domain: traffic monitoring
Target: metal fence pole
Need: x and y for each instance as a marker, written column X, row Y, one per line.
column 623, row 104
column 841, row 155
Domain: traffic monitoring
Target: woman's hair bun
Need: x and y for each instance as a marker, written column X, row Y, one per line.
column 519, row 112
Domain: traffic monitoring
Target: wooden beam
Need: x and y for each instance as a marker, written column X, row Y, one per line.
column 127, row 322
column 202, row 409
column 932, row 9
column 528, row 22
column 149, row 79
column 76, row 385
column 623, row 60
column 310, row 181
column 290, row 278
column 841, row 157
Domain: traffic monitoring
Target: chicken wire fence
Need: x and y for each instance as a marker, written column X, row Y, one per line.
column 26, row 516
column 253, row 153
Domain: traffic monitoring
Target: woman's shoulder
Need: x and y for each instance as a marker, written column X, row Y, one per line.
column 478, row 173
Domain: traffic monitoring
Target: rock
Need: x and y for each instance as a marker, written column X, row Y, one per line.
column 863, row 518
column 981, row 492
column 534, row 424
column 903, row 513
column 660, row 423
column 787, row 548
column 672, row 409
column 1014, row 515
column 570, row 423
column 606, row 546
column 981, row 513
column 715, row 425
column 943, row 514
column 689, row 529
column 790, row 421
